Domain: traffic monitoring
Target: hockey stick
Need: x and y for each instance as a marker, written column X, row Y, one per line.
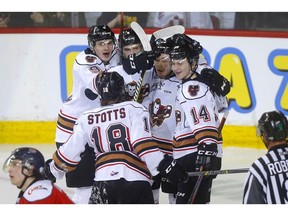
column 169, row 31
column 199, row 180
column 217, row 172
column 142, row 36
column 147, row 47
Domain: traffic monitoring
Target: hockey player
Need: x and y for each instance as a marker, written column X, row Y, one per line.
column 130, row 45
column 25, row 167
column 126, row 155
column 197, row 144
column 267, row 181
column 101, row 54
column 160, row 85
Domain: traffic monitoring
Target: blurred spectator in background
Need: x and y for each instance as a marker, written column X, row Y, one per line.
column 165, row 19
column 199, row 20
column 190, row 20
column 58, row 19
column 4, row 19
column 113, row 19
column 268, row 21
column 46, row 19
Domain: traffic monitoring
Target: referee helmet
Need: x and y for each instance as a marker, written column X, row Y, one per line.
column 273, row 126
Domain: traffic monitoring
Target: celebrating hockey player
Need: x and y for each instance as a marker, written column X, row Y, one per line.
column 197, row 144
column 101, row 55
column 130, row 45
column 126, row 156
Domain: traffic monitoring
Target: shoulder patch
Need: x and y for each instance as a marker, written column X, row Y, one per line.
column 39, row 190
column 194, row 89
column 87, row 59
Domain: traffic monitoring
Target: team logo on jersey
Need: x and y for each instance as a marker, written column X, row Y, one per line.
column 158, row 112
column 114, row 173
column 193, row 90
column 130, row 88
column 38, row 187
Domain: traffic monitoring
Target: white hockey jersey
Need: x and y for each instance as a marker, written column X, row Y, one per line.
column 197, row 119
column 86, row 67
column 121, row 137
column 160, row 101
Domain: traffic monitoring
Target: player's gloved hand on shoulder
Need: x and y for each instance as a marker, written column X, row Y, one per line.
column 47, row 172
column 206, row 152
column 169, row 168
column 218, row 83
column 135, row 63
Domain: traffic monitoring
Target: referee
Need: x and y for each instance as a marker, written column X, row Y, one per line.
column 267, row 179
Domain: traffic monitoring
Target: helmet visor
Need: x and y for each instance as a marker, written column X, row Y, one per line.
column 11, row 161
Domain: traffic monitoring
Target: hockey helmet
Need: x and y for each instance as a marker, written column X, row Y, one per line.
column 110, row 85
column 98, row 33
column 128, row 37
column 185, row 47
column 273, row 125
column 162, row 46
column 31, row 159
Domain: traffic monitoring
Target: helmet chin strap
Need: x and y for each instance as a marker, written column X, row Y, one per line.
column 25, row 179
column 23, row 182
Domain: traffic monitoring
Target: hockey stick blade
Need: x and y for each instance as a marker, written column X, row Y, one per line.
column 142, row 36
column 169, row 31
column 218, row 172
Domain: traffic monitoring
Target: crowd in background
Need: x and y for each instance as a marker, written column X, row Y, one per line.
column 271, row 21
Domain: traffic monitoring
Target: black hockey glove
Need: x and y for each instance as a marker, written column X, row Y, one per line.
column 206, row 152
column 169, row 169
column 135, row 63
column 47, row 172
column 218, row 83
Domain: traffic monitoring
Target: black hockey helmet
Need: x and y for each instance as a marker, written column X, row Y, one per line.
column 184, row 46
column 128, row 37
column 162, row 46
column 99, row 32
column 273, row 125
column 31, row 159
column 110, row 85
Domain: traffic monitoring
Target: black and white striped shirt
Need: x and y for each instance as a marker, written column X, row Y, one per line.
column 267, row 179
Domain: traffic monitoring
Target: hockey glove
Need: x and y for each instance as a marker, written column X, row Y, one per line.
column 169, row 169
column 205, row 154
column 217, row 83
column 47, row 172
column 135, row 63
